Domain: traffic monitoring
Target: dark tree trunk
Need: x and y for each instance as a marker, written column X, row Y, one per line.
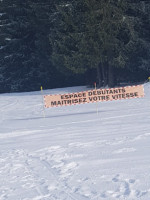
column 105, row 75
column 111, row 78
column 99, row 76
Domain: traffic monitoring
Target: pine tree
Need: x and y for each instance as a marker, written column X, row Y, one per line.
column 87, row 36
column 24, row 47
column 138, row 19
column 98, row 35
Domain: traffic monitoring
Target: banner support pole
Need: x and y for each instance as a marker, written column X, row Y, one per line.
column 96, row 102
column 43, row 101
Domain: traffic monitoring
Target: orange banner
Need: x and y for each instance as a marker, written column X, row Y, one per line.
column 92, row 96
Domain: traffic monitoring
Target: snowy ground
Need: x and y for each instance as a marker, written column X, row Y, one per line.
column 74, row 153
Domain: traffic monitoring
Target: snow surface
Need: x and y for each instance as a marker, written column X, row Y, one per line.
column 74, row 153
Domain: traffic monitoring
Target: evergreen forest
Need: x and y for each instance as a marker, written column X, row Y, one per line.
column 63, row 43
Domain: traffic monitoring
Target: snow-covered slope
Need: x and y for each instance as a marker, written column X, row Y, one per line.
column 74, row 153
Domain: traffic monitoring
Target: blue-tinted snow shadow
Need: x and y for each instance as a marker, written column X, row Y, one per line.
column 62, row 115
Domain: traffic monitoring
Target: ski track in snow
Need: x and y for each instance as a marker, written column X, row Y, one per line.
column 54, row 172
column 103, row 156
